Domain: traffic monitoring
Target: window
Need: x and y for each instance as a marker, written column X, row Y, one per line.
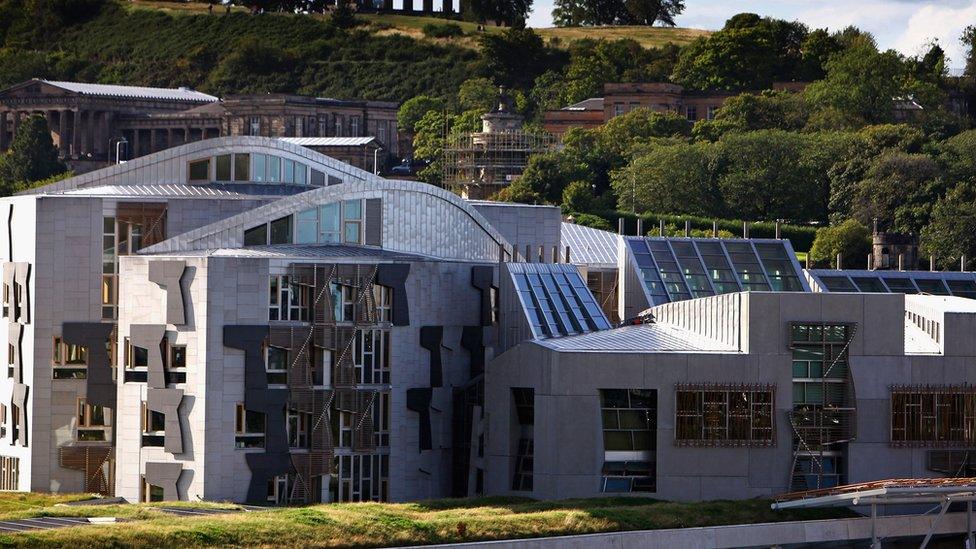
column 151, row 492
column 281, row 231
column 711, row 112
column 259, row 168
column 175, row 363
column 383, row 299
column 381, row 420
column 338, row 127
column 724, row 416
column 11, row 360
column 242, row 167
column 135, row 357
column 254, row 125
column 274, row 169
column 9, row 473
column 6, row 296
column 288, row 171
column 3, row 420
column 618, row 109
column 108, row 269
column 288, row 301
column 307, row 227
column 200, row 170
column 523, row 400
column 354, row 126
column 344, row 300
column 691, row 112
column 353, row 221
column 361, row 478
column 223, row 167
column 299, row 427
column 329, row 223
column 256, row 236
column 629, row 439
column 250, row 428
column 69, row 361
column 153, row 427
column 371, row 356
column 276, row 364
column 933, row 416
column 94, row 423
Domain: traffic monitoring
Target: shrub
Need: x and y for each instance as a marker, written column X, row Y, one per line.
column 442, row 30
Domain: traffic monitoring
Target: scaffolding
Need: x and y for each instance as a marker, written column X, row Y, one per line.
column 478, row 165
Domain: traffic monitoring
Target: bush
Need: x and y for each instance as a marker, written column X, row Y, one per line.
column 442, row 30
column 850, row 239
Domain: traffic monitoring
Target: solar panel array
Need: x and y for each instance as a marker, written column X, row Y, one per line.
column 555, row 300
column 962, row 284
column 675, row 269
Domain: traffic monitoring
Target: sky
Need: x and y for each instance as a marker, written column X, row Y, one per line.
column 904, row 25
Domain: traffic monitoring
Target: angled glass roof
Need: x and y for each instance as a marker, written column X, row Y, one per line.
column 555, row 300
column 675, row 269
column 962, row 284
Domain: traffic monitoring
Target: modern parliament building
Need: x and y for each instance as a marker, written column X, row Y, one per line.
column 245, row 319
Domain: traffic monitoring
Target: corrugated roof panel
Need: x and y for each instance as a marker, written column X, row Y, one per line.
column 588, row 246
column 329, row 141
column 644, row 338
column 139, row 92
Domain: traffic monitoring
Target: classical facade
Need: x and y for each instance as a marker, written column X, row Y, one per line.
column 245, row 319
column 88, row 121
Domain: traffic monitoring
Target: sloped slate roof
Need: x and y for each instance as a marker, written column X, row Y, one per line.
column 644, row 338
column 135, row 92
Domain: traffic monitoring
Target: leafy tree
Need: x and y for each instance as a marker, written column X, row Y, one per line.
column 254, row 66
column 501, row 12
column 477, row 94
column 850, row 239
column 575, row 13
column 578, row 197
column 548, row 174
column 343, row 16
column 968, row 39
column 766, row 177
column 676, row 179
column 899, row 190
column 516, row 57
column 950, row 233
column 957, row 157
column 749, row 53
column 860, row 84
column 32, row 157
column 412, row 110
column 767, row 110
column 519, row 191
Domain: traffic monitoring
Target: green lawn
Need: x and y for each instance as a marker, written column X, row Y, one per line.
column 375, row 524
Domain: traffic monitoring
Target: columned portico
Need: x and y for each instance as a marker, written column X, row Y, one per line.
column 3, row 131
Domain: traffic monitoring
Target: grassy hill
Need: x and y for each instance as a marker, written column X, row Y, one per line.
column 412, row 26
column 376, row 524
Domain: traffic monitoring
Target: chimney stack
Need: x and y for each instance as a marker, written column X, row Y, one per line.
column 620, row 225
column 640, row 227
column 839, row 261
column 715, row 229
column 687, row 228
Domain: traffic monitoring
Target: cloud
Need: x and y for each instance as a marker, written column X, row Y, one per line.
column 938, row 22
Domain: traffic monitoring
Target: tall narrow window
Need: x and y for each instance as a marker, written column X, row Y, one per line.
column 329, row 223
column 242, row 167
column 153, row 427
column 523, row 401
column 250, row 428
column 281, row 231
column 223, row 163
column 69, row 361
column 200, row 170
column 94, row 422
column 353, row 221
column 629, row 439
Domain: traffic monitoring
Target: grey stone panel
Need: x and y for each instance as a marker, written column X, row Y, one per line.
column 168, row 275
column 418, row 400
column 394, row 275
column 374, row 222
column 15, row 338
column 483, row 278
column 166, row 476
column 100, row 389
column 19, row 399
column 22, row 309
column 150, row 336
column 167, row 402
column 263, row 468
column 257, row 396
column 473, row 340
column 430, row 339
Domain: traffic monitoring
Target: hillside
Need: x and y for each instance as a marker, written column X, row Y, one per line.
column 412, row 26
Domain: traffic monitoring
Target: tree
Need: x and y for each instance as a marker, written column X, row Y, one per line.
column 950, row 233
column 850, row 239
column 515, row 58
column 592, row 221
column 343, row 16
column 575, row 13
column 765, row 111
column 675, row 179
column 501, row 12
column 255, row 66
column 32, row 157
column 899, row 190
column 968, row 39
column 860, row 85
column 519, row 191
column 578, row 197
column 413, row 109
column 477, row 94
column 548, row 174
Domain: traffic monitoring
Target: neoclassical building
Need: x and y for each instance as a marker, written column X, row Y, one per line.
column 87, row 121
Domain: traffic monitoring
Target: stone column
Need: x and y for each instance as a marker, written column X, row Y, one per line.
column 76, row 132
column 16, row 125
column 169, row 138
column 428, row 6
column 109, row 124
column 63, row 146
column 136, row 151
column 88, row 133
column 152, row 140
column 448, row 7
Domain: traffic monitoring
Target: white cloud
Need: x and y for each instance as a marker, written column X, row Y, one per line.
column 942, row 23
